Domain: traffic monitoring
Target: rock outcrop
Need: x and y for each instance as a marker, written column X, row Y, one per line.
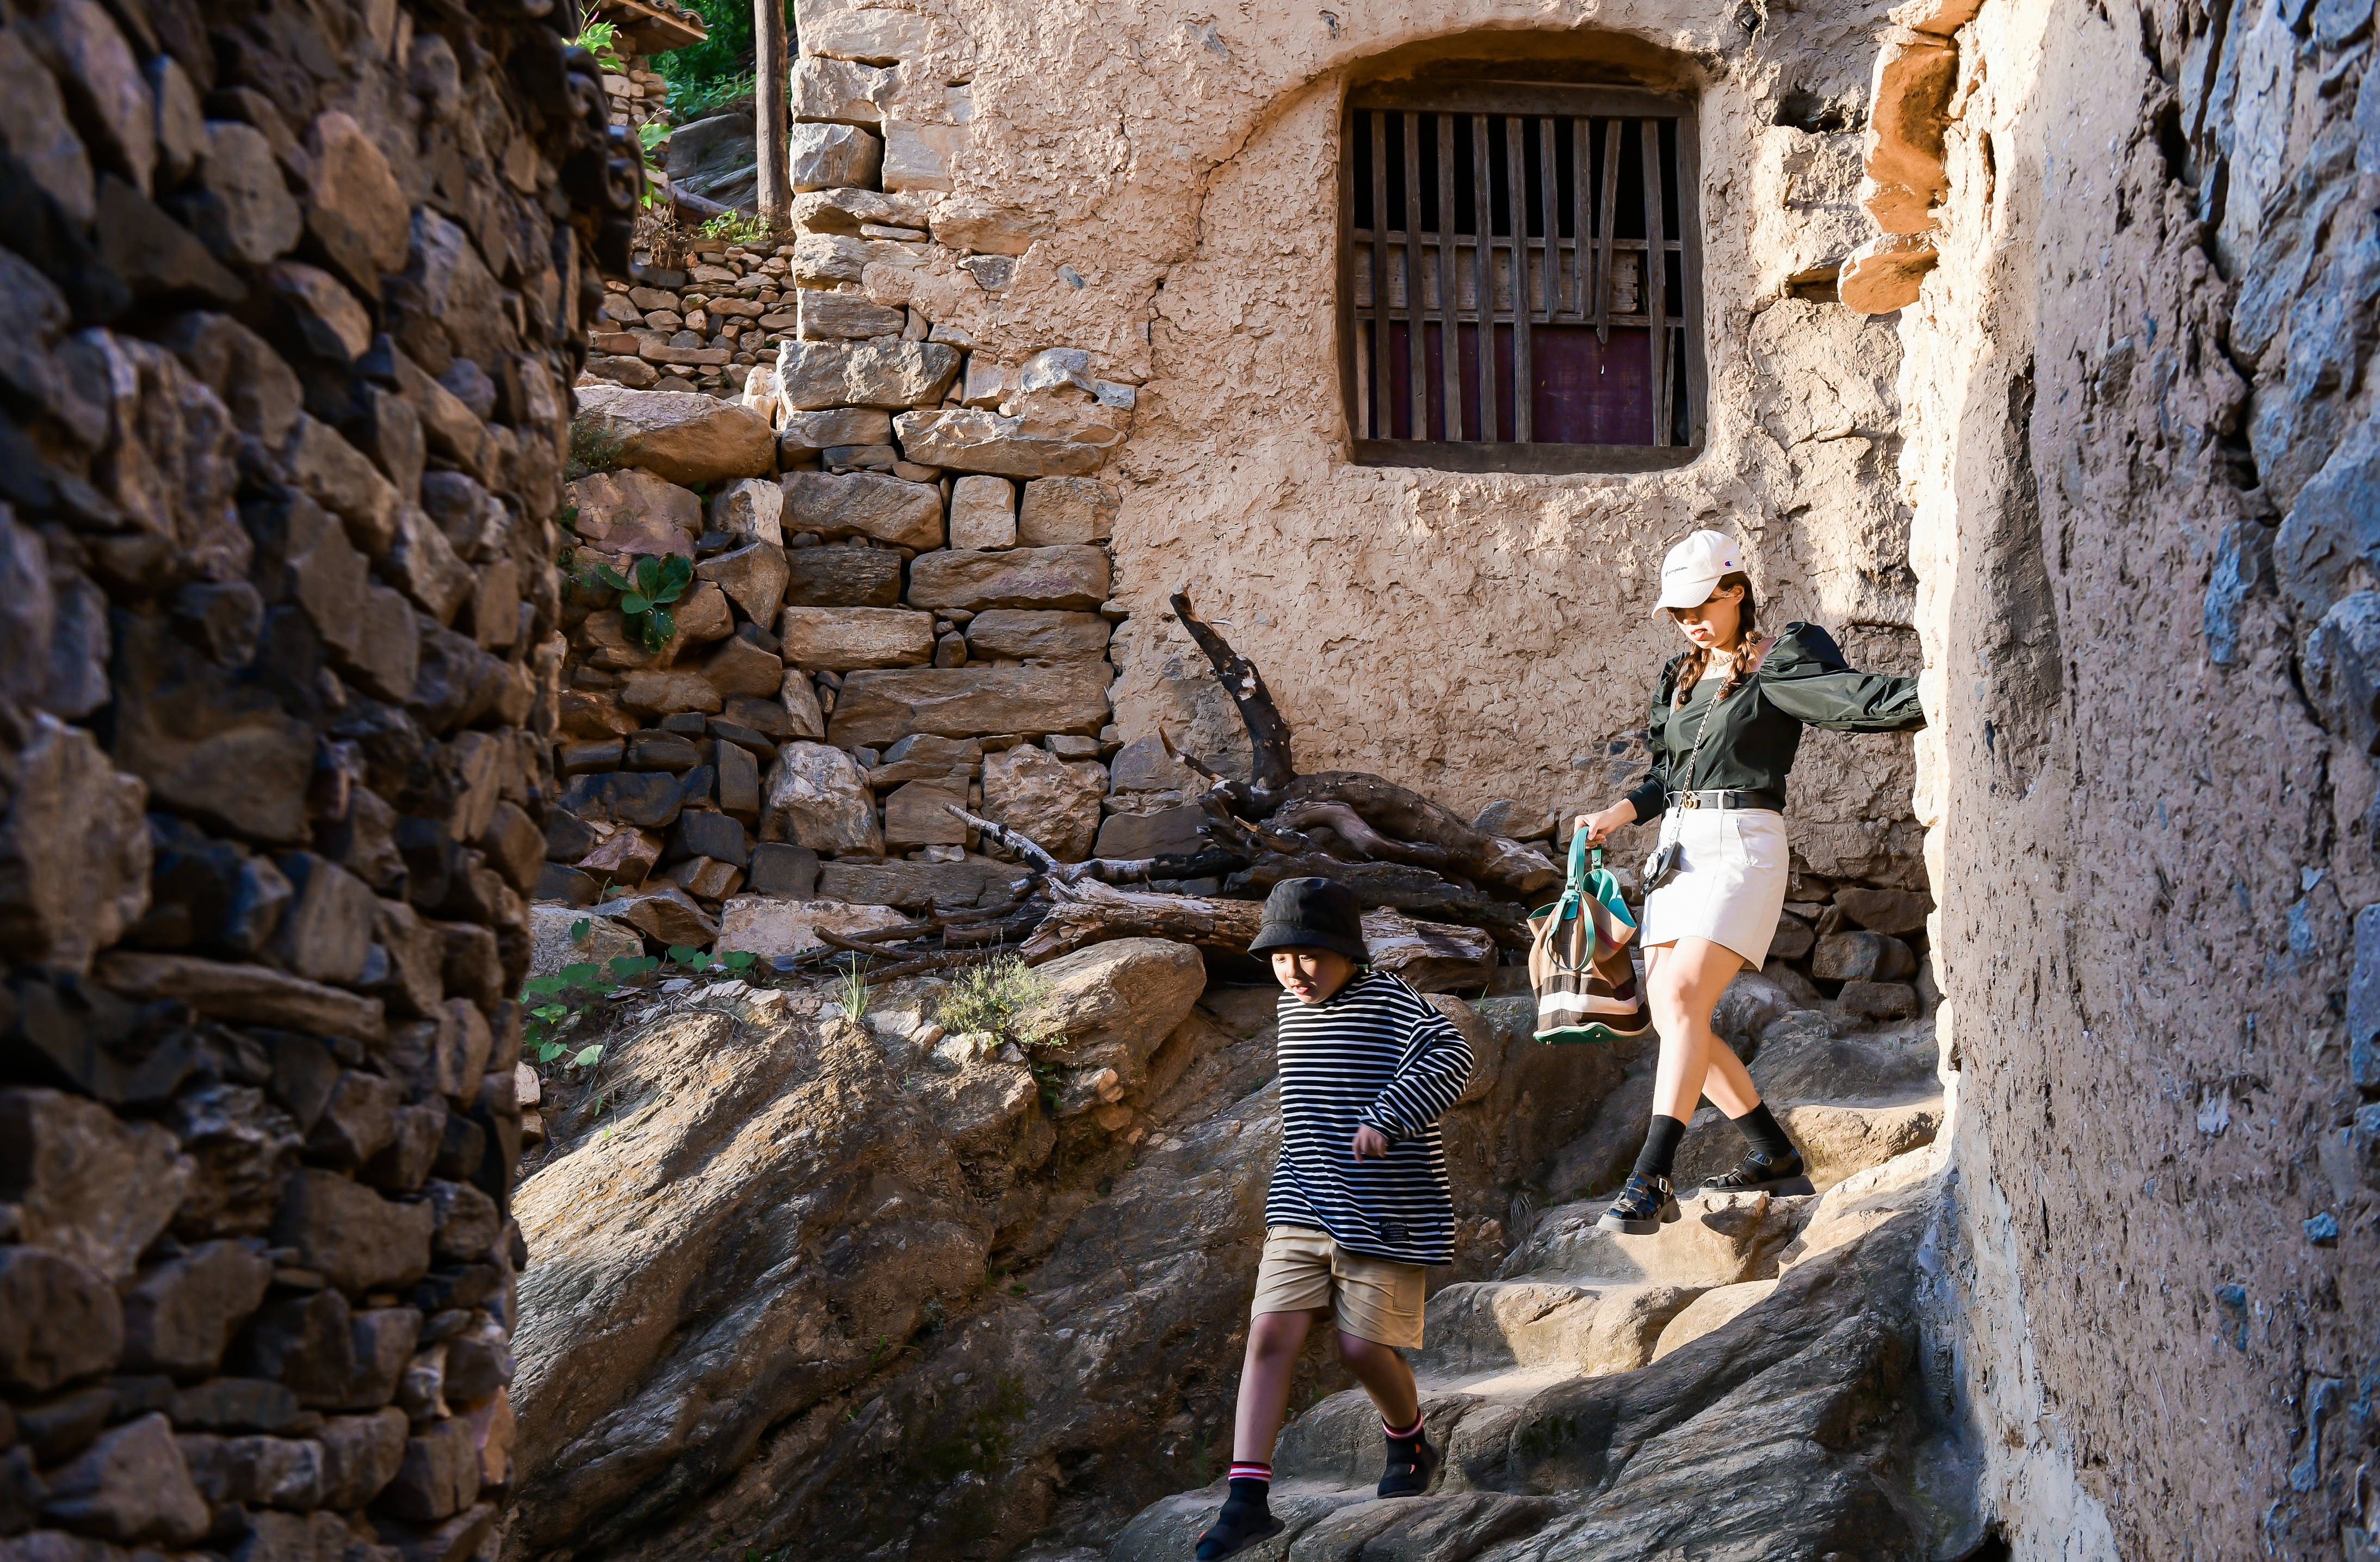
column 801, row 1272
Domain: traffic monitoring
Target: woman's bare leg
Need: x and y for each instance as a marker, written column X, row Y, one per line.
column 1682, row 982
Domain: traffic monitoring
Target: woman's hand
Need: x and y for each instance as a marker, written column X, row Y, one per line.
column 1599, row 827
column 1370, row 1143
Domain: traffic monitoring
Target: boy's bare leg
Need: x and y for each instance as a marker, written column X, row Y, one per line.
column 1385, row 1377
column 1274, row 1341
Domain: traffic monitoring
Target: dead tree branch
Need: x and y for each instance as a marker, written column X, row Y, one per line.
column 1270, row 770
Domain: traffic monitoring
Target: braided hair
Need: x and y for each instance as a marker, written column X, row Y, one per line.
column 1691, row 670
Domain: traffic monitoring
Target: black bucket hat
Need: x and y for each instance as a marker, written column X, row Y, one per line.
column 1312, row 914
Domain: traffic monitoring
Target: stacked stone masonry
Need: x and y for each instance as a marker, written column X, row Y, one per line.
column 294, row 302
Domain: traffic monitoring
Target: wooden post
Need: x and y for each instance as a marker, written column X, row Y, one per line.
column 772, row 95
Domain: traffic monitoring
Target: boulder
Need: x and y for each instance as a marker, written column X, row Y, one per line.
column 1861, row 956
column 817, row 797
column 882, row 371
column 1054, row 801
column 635, row 512
column 847, row 639
column 750, row 510
column 772, row 928
column 911, row 884
column 852, row 94
column 833, row 317
column 807, row 433
column 919, row 813
column 667, row 915
column 1884, row 910
column 843, row 578
column 716, row 158
column 1075, row 575
column 833, row 157
column 753, row 577
column 1113, row 1004
column 974, row 440
column 679, row 437
column 1020, row 634
column 85, row 1184
column 255, row 995
column 1430, row 957
column 983, row 512
column 74, row 849
column 876, row 708
column 890, row 509
column 1065, row 510
column 353, row 1237
column 1169, row 832
column 552, row 944
column 131, row 1484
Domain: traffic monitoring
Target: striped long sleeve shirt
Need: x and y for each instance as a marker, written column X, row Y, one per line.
column 1374, row 1054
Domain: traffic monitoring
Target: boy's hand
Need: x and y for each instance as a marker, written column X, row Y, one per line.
column 1370, row 1143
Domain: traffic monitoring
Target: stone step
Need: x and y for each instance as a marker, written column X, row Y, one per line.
column 1718, row 1240
column 1499, row 1326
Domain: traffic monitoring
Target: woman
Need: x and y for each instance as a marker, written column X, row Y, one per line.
column 1727, row 718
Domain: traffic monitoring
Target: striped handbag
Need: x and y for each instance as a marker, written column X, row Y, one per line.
column 1586, row 985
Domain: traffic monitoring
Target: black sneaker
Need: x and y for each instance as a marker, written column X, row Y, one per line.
column 1784, row 1174
column 1410, row 1475
column 1642, row 1207
column 1238, row 1527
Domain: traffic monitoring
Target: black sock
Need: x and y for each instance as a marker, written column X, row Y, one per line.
column 1767, row 1134
column 1251, row 1487
column 1408, row 1442
column 1660, row 1151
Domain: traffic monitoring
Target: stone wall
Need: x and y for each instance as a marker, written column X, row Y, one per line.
column 938, row 272
column 2138, row 410
column 294, row 299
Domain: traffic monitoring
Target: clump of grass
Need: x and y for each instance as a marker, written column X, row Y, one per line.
column 1005, row 997
column 736, row 227
column 593, row 448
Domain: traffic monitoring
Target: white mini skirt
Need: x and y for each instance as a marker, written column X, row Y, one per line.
column 1729, row 885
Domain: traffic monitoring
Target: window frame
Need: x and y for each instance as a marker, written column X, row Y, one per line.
column 1516, row 101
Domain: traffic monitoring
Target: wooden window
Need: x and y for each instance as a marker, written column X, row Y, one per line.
column 1560, row 225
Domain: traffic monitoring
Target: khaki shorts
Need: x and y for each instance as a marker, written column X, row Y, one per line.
column 1372, row 1299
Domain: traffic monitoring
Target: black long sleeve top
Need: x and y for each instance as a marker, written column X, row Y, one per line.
column 1802, row 681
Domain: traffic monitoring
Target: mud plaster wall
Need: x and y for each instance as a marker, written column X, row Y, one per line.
column 1474, row 636
column 2137, row 439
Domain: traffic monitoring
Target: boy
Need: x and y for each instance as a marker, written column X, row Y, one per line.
column 1359, row 1201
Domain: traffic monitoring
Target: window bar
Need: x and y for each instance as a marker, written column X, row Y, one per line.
column 1378, row 410
column 1608, row 224
column 1483, row 275
column 1416, row 353
column 1582, row 147
column 1657, row 307
column 1516, row 203
column 1549, row 192
column 1450, row 338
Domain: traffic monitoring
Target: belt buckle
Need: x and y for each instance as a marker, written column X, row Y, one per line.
column 1690, row 800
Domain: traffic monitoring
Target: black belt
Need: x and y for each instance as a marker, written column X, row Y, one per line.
column 1768, row 802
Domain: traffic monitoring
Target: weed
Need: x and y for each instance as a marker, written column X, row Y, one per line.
column 851, row 990
column 1005, row 997
column 736, row 227
column 645, row 595
column 601, row 39
column 1205, row 1463
column 558, row 1004
column 593, row 448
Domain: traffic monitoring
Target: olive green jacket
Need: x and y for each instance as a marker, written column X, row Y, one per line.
column 1802, row 681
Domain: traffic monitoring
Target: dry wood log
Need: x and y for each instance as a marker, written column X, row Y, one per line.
column 1092, row 913
column 1389, row 884
column 1364, row 842
column 1268, row 734
column 1392, row 810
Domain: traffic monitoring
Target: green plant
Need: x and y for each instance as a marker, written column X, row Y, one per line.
column 593, row 448
column 558, row 1004
column 601, row 39
column 646, row 594
column 692, row 97
column 852, row 990
column 735, row 228
column 1005, row 997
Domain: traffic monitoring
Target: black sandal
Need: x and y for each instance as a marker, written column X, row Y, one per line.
column 1643, row 1207
column 1234, row 1529
column 1410, row 1477
column 1783, row 1174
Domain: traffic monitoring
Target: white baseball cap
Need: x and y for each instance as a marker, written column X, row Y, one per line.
column 1694, row 568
